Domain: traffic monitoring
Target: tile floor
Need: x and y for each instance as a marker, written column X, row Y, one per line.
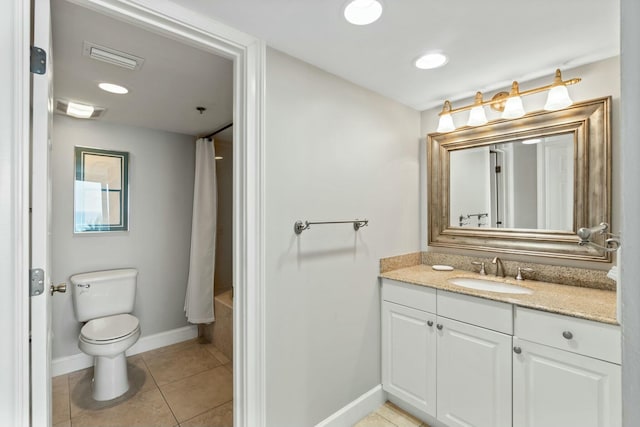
column 187, row 384
column 389, row 415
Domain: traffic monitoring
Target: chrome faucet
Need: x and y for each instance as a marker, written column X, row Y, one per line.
column 499, row 267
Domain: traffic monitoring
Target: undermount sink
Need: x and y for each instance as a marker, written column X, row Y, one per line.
column 488, row 285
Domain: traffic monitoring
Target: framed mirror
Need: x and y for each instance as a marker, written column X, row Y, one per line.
column 523, row 186
column 101, row 190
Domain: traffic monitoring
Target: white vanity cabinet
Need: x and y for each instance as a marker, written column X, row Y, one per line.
column 566, row 371
column 409, row 344
column 453, row 363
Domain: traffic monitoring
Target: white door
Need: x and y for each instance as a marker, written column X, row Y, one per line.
column 557, row 388
column 474, row 376
column 40, row 222
column 409, row 355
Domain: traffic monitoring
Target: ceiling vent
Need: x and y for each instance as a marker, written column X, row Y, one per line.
column 112, row 56
column 62, row 105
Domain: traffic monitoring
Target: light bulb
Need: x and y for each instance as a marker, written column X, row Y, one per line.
column 363, row 12
column 445, row 124
column 558, row 98
column 79, row 111
column 513, row 108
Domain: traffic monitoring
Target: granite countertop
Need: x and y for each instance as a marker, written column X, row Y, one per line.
column 585, row 303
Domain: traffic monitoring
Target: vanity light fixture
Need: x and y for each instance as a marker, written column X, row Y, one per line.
column 363, row 12
column 513, row 106
column 510, row 104
column 477, row 116
column 445, row 124
column 113, row 88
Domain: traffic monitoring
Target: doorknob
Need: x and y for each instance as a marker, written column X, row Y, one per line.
column 62, row 288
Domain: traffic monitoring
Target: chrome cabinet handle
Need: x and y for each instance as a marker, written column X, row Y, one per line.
column 567, row 334
column 439, row 326
column 430, row 322
column 517, row 350
column 62, row 288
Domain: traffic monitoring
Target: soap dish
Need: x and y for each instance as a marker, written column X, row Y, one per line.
column 442, row 267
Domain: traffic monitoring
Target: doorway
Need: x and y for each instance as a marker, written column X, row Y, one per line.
column 248, row 56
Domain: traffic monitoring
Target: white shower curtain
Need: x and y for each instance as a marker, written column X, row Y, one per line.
column 198, row 303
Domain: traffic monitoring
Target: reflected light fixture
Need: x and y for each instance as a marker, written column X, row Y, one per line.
column 445, row 124
column 513, row 106
column 218, row 158
column 477, row 116
column 363, row 12
column 80, row 111
column 113, row 88
column 509, row 103
column 431, row 60
column 532, row 141
column 558, row 97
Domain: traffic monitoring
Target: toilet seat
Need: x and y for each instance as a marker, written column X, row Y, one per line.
column 110, row 329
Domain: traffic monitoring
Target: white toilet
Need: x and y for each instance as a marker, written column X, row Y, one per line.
column 104, row 300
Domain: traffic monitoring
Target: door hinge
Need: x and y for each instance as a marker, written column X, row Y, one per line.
column 498, row 169
column 38, row 60
column 36, row 278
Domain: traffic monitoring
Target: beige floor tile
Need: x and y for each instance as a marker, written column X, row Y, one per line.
column 397, row 416
column 66, row 423
column 167, row 367
column 199, row 393
column 222, row 416
column 140, row 381
column 374, row 420
column 229, row 367
column 60, row 399
column 171, row 348
column 142, row 410
column 217, row 353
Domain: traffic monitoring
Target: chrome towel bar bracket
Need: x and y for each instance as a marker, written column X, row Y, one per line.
column 300, row 226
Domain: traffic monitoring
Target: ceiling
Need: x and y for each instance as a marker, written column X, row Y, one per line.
column 489, row 43
column 164, row 93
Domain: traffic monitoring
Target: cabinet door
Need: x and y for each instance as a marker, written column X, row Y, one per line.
column 474, row 375
column 553, row 387
column 409, row 355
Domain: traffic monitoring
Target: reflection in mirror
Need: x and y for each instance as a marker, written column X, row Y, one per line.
column 521, row 184
column 101, row 190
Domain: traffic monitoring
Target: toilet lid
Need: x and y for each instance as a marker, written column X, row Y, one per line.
column 110, row 327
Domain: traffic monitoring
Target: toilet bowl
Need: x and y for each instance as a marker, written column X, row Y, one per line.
column 107, row 339
column 104, row 300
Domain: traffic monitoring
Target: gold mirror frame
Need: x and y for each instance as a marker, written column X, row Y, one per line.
column 590, row 123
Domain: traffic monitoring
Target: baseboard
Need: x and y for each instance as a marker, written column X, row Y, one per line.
column 64, row 365
column 356, row 410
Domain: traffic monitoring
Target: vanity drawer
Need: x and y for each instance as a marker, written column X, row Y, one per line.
column 594, row 339
column 414, row 296
column 494, row 315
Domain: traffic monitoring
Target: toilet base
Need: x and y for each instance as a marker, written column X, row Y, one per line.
column 110, row 379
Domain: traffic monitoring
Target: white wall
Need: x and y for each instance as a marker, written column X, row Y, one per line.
column 598, row 80
column 333, row 151
column 224, row 236
column 161, row 173
column 630, row 10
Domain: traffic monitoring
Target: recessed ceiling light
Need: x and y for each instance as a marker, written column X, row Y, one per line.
column 80, row 111
column 431, row 60
column 363, row 12
column 113, row 88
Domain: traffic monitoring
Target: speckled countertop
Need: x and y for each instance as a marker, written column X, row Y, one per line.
column 586, row 303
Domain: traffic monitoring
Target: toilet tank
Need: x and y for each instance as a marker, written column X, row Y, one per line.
column 103, row 293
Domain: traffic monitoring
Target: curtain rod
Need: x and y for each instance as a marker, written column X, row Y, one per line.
column 217, row 131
